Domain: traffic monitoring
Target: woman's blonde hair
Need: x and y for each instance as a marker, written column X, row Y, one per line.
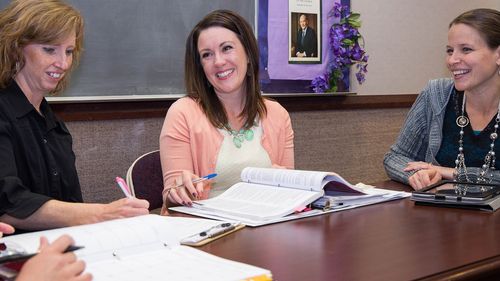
column 25, row 22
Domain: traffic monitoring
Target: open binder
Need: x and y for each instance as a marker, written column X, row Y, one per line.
column 266, row 196
column 144, row 248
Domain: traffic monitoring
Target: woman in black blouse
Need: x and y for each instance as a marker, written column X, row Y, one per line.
column 40, row 43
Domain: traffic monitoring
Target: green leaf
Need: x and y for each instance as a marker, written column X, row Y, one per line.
column 356, row 24
column 348, row 42
column 332, row 88
column 354, row 16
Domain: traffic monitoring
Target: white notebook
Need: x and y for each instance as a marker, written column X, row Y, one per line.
column 144, row 248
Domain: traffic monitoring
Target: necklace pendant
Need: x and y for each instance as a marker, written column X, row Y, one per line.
column 237, row 142
column 462, row 121
column 239, row 136
column 249, row 135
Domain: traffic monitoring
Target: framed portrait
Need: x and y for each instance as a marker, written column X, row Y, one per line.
column 281, row 71
column 304, row 31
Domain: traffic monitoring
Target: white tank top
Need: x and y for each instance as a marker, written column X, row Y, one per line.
column 232, row 160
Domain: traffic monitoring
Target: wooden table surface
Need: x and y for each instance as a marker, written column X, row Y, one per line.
column 389, row 241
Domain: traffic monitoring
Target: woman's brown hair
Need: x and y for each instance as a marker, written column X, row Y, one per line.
column 25, row 22
column 196, row 82
column 485, row 21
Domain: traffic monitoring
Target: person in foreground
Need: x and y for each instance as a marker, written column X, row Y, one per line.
column 451, row 131
column 40, row 42
column 51, row 263
column 224, row 124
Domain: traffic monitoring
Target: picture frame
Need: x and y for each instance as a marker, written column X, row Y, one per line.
column 304, row 32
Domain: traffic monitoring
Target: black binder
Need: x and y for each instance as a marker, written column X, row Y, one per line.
column 448, row 193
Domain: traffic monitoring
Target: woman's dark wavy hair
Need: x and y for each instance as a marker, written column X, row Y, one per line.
column 485, row 21
column 196, row 82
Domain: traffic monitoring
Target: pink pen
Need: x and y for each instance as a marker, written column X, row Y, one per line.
column 124, row 187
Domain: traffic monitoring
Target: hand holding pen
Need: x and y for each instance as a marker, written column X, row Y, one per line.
column 127, row 207
column 186, row 187
column 55, row 262
column 124, row 187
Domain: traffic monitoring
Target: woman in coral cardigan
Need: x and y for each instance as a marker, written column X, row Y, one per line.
column 224, row 124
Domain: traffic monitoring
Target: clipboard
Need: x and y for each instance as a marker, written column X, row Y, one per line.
column 211, row 234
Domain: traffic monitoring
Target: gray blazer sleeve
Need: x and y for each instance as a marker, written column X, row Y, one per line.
column 413, row 140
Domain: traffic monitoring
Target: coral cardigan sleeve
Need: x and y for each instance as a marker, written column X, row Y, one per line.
column 278, row 135
column 175, row 145
column 288, row 153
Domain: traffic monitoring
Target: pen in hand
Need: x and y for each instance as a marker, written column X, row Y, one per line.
column 124, row 187
column 195, row 181
column 16, row 257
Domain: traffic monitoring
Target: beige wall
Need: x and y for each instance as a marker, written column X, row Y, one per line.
column 406, row 41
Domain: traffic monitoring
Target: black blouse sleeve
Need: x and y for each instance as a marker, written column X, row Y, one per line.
column 16, row 199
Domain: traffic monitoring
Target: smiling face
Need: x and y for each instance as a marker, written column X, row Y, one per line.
column 473, row 64
column 224, row 60
column 303, row 22
column 45, row 65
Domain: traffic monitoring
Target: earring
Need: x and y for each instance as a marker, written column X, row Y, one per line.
column 18, row 67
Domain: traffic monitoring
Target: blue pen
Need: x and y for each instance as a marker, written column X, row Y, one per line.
column 198, row 180
column 207, row 177
column 201, row 179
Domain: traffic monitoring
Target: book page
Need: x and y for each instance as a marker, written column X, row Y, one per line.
column 258, row 202
column 307, row 180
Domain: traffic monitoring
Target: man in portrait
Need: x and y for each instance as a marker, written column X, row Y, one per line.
column 307, row 43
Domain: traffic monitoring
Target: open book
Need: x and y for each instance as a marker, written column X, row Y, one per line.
column 144, row 248
column 267, row 195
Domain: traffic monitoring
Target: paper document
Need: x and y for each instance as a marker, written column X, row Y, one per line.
column 144, row 248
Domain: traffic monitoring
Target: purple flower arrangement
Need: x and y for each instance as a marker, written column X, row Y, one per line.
column 347, row 47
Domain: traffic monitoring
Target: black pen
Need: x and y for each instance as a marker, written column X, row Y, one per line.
column 21, row 256
column 221, row 231
column 218, row 229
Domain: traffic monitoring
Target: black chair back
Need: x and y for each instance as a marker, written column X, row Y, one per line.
column 146, row 179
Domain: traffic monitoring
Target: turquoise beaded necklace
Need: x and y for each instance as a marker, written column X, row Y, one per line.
column 240, row 136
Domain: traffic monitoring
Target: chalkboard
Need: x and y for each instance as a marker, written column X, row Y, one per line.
column 136, row 47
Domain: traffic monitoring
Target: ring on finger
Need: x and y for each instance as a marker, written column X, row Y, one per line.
column 170, row 190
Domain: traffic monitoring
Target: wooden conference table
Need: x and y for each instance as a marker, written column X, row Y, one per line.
column 389, row 241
